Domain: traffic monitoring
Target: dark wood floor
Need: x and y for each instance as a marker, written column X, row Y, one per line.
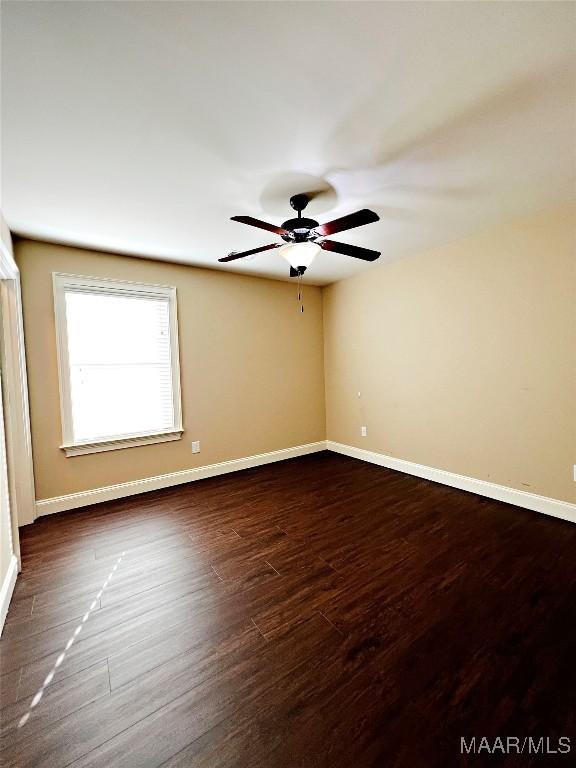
column 320, row 612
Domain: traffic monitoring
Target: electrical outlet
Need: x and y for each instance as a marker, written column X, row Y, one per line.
column 575, row 473
column 364, row 431
column 196, row 446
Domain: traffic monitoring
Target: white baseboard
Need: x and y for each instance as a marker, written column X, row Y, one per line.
column 119, row 491
column 544, row 504
column 532, row 501
column 7, row 588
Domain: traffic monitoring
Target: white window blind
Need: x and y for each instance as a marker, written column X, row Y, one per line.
column 118, row 362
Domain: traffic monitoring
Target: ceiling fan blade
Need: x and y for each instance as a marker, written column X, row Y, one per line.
column 260, row 224
column 349, row 250
column 233, row 256
column 358, row 219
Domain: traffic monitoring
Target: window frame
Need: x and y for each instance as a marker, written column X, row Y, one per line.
column 62, row 283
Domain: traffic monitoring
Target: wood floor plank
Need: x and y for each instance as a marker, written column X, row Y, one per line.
column 284, row 729
column 9, row 684
column 153, row 652
column 19, row 610
column 47, row 617
column 171, row 727
column 126, row 620
column 58, row 700
column 105, row 638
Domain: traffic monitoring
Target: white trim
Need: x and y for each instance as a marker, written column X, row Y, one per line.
column 17, row 412
column 17, row 417
column 8, row 267
column 80, row 449
column 544, row 504
column 121, row 490
column 63, row 283
column 7, row 589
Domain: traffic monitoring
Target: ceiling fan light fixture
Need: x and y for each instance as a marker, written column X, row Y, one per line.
column 299, row 254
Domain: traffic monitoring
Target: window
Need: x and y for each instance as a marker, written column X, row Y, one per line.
column 118, row 363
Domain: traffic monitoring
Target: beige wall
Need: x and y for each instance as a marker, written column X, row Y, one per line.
column 465, row 356
column 251, row 368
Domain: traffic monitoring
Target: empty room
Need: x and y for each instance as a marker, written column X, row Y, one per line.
column 288, row 384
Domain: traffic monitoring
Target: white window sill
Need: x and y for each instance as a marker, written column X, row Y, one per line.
column 114, row 444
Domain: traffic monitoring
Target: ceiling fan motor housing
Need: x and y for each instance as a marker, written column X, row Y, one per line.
column 299, row 230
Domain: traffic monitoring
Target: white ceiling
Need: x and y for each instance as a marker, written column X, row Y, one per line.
column 142, row 127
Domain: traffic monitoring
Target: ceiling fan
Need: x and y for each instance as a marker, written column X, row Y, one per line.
column 301, row 237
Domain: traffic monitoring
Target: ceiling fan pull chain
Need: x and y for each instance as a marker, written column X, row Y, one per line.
column 300, row 291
